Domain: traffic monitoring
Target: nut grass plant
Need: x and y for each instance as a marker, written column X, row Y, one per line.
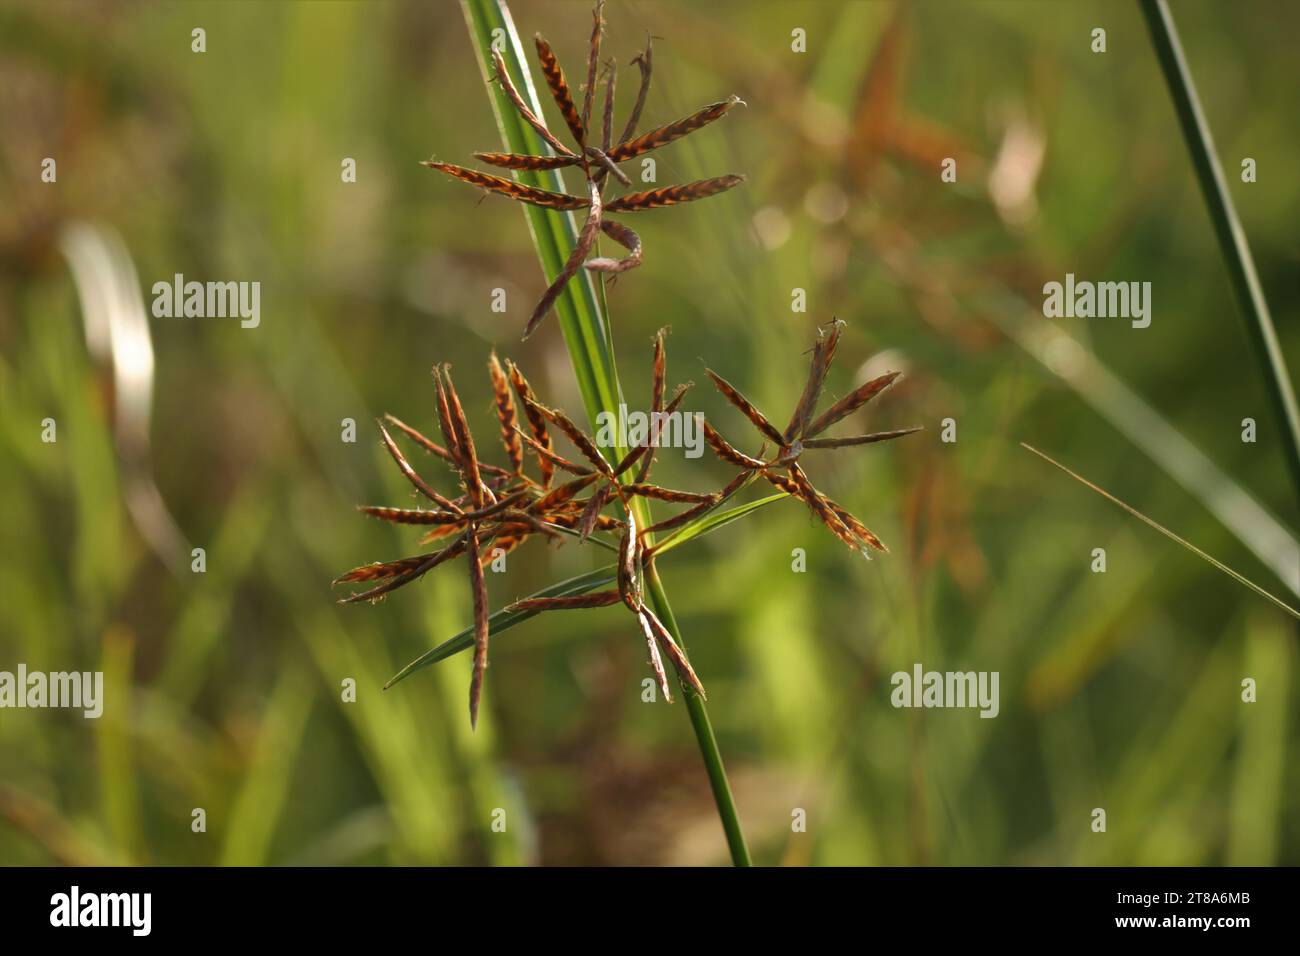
column 504, row 505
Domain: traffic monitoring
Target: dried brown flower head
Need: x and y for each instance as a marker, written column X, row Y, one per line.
column 499, row 507
column 597, row 155
column 783, row 470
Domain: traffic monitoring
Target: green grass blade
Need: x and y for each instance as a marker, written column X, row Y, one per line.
column 1232, row 238
column 1239, row 578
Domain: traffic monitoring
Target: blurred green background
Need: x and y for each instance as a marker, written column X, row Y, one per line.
column 1119, row 690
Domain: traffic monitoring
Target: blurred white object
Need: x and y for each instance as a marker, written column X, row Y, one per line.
column 117, row 337
column 1013, row 178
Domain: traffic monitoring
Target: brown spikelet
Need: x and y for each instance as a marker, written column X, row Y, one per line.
column 587, row 523
column 407, row 574
column 784, row 483
column 508, row 187
column 529, row 116
column 465, row 442
column 850, row 403
column 567, row 602
column 665, row 494
column 652, row 648
column 723, row 449
column 553, row 457
column 503, row 545
column 561, row 493
column 593, row 57
column 675, row 654
column 674, row 195
column 690, row 514
column 658, row 384
column 444, row 419
column 479, row 586
column 382, row 569
column 860, row 439
column 535, row 420
column 629, row 553
column 860, row 531
column 560, row 90
column 642, row 452
column 823, row 352
column 733, row 395
column 525, row 161
column 493, row 508
column 658, row 373
column 607, row 122
column 576, row 435
column 586, row 239
column 457, row 517
column 419, row 439
column 651, row 445
column 413, row 516
column 438, row 532
column 673, row 131
column 409, row 473
column 819, row 507
column 643, row 63
column 509, row 421
column 684, row 517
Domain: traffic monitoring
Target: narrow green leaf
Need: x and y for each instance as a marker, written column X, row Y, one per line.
column 1239, row 578
column 712, row 522
column 503, row 620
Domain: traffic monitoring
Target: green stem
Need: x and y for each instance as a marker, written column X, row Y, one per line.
column 703, row 731
column 1232, row 238
column 584, row 322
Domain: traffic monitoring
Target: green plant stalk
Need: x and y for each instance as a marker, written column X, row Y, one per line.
column 587, row 334
column 1232, row 238
column 703, row 730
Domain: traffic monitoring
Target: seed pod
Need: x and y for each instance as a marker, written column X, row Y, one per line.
column 479, row 587
column 405, row 468
column 851, row 403
column 505, row 408
column 733, row 395
column 673, row 131
column 652, row 646
column 532, row 195
column 535, row 420
column 529, row 116
column 673, row 195
column 559, row 87
column 525, row 161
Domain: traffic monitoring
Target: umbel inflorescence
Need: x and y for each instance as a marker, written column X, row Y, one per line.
column 498, row 507
column 597, row 155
